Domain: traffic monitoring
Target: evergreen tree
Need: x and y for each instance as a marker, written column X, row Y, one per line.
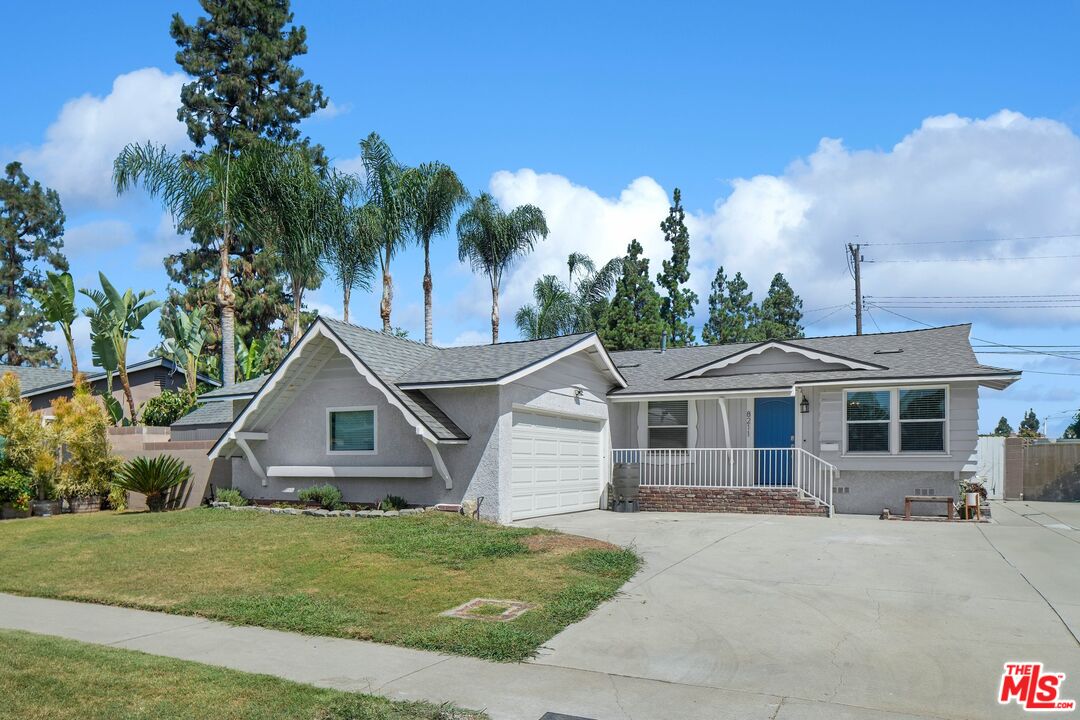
column 31, row 239
column 1029, row 426
column 1072, row 432
column 244, row 87
column 244, row 84
column 739, row 315
column 780, row 313
column 678, row 306
column 1003, row 429
column 632, row 320
column 712, row 332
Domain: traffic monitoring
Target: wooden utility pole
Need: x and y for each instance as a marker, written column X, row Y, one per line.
column 856, row 260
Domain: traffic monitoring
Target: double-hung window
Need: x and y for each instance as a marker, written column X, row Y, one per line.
column 900, row 420
column 351, row 430
column 868, row 414
column 668, row 423
column 922, row 420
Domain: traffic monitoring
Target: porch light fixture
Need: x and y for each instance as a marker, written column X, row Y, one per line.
column 804, row 406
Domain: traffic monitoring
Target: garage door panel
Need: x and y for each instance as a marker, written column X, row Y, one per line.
column 556, row 465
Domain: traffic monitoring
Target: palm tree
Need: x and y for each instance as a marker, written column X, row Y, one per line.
column 386, row 194
column 491, row 240
column 210, row 192
column 553, row 314
column 57, row 300
column 560, row 308
column 114, row 320
column 434, row 192
column 185, row 338
column 295, row 204
column 352, row 237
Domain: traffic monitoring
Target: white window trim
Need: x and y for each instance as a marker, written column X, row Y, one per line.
column 649, row 427
column 894, row 422
column 375, row 431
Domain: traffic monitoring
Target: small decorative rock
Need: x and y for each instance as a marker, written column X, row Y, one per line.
column 411, row 511
column 334, row 513
column 391, row 513
column 291, row 511
column 347, row 513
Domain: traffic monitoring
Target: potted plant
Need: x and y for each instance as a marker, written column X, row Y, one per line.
column 16, row 489
column 88, row 466
column 46, row 502
column 972, row 493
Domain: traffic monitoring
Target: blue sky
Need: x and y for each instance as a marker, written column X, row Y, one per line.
column 791, row 130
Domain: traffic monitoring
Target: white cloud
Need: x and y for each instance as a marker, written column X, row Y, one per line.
column 332, row 110
column 80, row 146
column 953, row 178
column 97, row 236
column 468, row 337
column 165, row 241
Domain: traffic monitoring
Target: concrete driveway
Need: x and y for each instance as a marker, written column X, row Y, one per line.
column 849, row 617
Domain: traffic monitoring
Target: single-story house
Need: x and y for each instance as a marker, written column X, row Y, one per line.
column 148, row 378
column 538, row 427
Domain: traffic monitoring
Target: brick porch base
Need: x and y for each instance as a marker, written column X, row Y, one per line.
column 767, row 500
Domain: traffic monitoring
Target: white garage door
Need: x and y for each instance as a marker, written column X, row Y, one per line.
column 556, row 465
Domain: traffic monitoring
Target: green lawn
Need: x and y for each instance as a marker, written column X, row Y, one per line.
column 44, row 677
column 385, row 580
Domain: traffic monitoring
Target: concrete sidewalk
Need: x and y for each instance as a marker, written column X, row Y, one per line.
column 506, row 691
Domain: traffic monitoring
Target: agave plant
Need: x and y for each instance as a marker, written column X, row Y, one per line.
column 153, row 477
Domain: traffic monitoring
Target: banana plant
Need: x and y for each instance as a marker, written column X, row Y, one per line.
column 57, row 300
column 186, row 335
column 249, row 358
column 114, row 320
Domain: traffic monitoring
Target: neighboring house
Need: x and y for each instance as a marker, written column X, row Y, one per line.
column 148, row 379
column 535, row 427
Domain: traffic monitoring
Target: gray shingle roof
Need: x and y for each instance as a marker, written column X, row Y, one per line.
column 391, row 358
column 247, row 387
column 486, row 362
column 937, row 352
column 212, row 413
column 32, row 379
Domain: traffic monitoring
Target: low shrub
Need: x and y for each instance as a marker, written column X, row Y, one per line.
column 327, row 496
column 393, row 502
column 16, row 489
column 233, row 497
column 153, row 477
column 167, row 408
column 117, row 498
column 81, row 429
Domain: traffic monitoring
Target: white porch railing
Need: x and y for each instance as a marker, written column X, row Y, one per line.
column 733, row 468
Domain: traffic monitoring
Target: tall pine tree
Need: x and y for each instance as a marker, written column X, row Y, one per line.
column 31, row 239
column 738, row 318
column 244, row 86
column 678, row 305
column 780, row 314
column 712, row 332
column 632, row 320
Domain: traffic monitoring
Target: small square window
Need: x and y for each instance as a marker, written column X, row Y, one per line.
column 352, row 430
column 669, row 422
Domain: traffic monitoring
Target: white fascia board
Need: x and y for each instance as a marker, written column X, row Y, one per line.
column 925, row 380
column 344, row 471
column 783, row 347
column 703, row 394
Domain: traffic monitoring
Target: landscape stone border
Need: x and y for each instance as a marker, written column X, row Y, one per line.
column 319, row 512
column 514, row 610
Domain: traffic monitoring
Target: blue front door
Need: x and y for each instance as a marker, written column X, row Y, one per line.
column 774, row 428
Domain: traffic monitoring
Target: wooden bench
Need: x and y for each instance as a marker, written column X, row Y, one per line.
column 908, row 499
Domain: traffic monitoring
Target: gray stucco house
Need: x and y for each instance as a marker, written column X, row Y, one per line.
column 537, row 427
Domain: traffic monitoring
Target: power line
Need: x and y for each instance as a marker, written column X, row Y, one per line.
column 974, row 240
column 981, row 259
column 958, row 297
column 824, row 317
column 982, row 340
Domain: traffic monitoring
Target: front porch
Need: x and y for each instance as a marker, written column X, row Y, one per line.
column 788, row 481
column 735, row 453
